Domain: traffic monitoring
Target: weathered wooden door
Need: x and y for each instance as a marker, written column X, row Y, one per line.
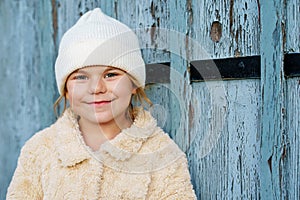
column 226, row 88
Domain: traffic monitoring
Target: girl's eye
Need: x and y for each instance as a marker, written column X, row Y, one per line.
column 80, row 77
column 110, row 75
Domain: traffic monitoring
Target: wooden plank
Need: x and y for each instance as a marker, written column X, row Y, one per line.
column 290, row 156
column 152, row 28
column 161, row 109
column 240, row 28
column 180, row 24
column 224, row 158
column 292, row 26
column 27, row 52
column 273, row 99
column 230, row 170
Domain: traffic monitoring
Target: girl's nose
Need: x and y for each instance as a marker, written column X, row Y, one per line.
column 98, row 86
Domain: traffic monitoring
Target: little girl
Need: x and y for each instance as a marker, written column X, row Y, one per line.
column 102, row 147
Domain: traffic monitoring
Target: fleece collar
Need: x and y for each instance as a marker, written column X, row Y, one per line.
column 72, row 149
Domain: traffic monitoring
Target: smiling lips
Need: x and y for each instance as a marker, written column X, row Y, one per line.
column 100, row 103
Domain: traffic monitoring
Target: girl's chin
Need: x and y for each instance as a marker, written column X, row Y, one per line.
column 104, row 118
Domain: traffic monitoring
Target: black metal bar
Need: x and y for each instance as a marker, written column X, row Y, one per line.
column 222, row 69
column 239, row 68
column 158, row 73
column 225, row 69
column 292, row 65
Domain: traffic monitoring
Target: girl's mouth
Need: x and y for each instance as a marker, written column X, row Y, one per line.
column 100, row 103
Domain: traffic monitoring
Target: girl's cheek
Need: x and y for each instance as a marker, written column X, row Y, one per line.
column 73, row 90
column 75, row 87
column 68, row 85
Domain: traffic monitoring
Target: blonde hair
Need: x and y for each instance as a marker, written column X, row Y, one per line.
column 56, row 105
column 140, row 98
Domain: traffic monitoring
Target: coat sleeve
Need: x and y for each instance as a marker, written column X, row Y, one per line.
column 25, row 183
column 172, row 182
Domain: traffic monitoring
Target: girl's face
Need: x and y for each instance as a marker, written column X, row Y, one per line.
column 100, row 94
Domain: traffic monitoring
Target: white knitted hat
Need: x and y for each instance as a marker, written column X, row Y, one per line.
column 97, row 39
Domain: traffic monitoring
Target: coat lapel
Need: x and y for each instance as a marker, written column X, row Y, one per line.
column 69, row 143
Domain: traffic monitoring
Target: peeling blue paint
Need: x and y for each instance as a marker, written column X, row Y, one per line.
column 273, row 99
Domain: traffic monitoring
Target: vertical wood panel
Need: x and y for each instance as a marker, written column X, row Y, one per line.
column 291, row 156
column 225, row 165
column 180, row 16
column 240, row 27
column 224, row 154
column 28, row 88
column 291, row 153
column 292, row 26
column 152, row 27
column 161, row 109
column 272, row 95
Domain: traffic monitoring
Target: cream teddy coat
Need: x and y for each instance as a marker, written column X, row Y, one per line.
column 141, row 162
